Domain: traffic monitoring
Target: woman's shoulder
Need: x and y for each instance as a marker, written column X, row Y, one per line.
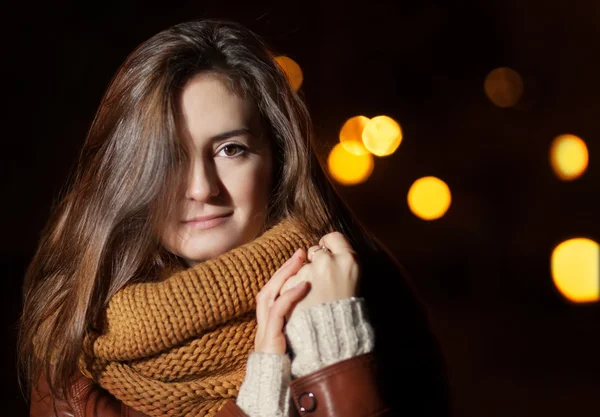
column 405, row 344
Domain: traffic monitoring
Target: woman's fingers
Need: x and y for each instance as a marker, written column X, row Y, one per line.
column 269, row 336
column 294, row 280
column 271, row 289
column 314, row 250
column 282, row 306
column 333, row 274
column 336, row 243
column 289, row 268
column 266, row 297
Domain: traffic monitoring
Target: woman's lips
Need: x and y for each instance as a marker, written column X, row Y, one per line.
column 203, row 223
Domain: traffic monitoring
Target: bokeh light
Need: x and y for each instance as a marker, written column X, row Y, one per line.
column 568, row 157
column 504, row 87
column 575, row 269
column 292, row 71
column 348, row 168
column 382, row 135
column 351, row 135
column 429, row 198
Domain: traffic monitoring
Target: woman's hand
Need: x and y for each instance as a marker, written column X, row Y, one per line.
column 332, row 271
column 272, row 307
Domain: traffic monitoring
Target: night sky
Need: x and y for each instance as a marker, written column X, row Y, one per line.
column 514, row 346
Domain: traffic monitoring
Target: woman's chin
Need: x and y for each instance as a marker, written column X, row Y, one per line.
column 205, row 246
column 196, row 256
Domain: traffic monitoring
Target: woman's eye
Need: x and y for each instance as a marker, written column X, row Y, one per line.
column 231, row 150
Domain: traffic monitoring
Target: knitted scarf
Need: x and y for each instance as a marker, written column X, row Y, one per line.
column 179, row 347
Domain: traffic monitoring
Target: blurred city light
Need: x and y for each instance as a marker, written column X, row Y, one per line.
column 348, row 168
column 292, row 71
column 568, row 157
column 504, row 87
column 429, row 198
column 382, row 135
column 575, row 269
column 351, row 135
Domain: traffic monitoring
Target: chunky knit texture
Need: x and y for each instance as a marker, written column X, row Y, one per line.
column 179, row 347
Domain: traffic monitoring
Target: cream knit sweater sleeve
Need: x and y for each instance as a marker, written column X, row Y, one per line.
column 328, row 333
column 319, row 336
column 265, row 390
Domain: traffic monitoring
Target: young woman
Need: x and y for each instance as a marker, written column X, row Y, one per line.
column 200, row 262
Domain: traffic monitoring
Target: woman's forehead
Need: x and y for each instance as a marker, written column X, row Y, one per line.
column 208, row 108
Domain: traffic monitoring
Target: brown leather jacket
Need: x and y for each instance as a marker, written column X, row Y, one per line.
column 348, row 388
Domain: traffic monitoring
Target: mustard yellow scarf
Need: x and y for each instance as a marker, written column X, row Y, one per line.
column 179, row 347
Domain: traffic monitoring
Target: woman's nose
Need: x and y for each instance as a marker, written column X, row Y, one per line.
column 202, row 182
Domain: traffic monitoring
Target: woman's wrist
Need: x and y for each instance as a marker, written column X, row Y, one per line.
column 328, row 333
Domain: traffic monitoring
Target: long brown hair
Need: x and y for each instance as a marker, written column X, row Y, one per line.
column 102, row 234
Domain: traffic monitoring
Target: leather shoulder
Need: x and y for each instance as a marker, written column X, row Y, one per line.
column 87, row 399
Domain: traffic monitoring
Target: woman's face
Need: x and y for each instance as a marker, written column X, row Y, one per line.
column 223, row 199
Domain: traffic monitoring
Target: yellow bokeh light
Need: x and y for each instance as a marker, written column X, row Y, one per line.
column 568, row 157
column 504, row 87
column 351, row 135
column 348, row 168
column 292, row 70
column 575, row 269
column 382, row 135
column 429, row 198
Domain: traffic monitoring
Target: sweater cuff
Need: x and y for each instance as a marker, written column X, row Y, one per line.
column 265, row 390
column 328, row 333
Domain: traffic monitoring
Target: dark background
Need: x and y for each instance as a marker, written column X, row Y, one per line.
column 514, row 345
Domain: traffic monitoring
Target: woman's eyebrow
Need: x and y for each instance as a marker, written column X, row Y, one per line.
column 231, row 134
